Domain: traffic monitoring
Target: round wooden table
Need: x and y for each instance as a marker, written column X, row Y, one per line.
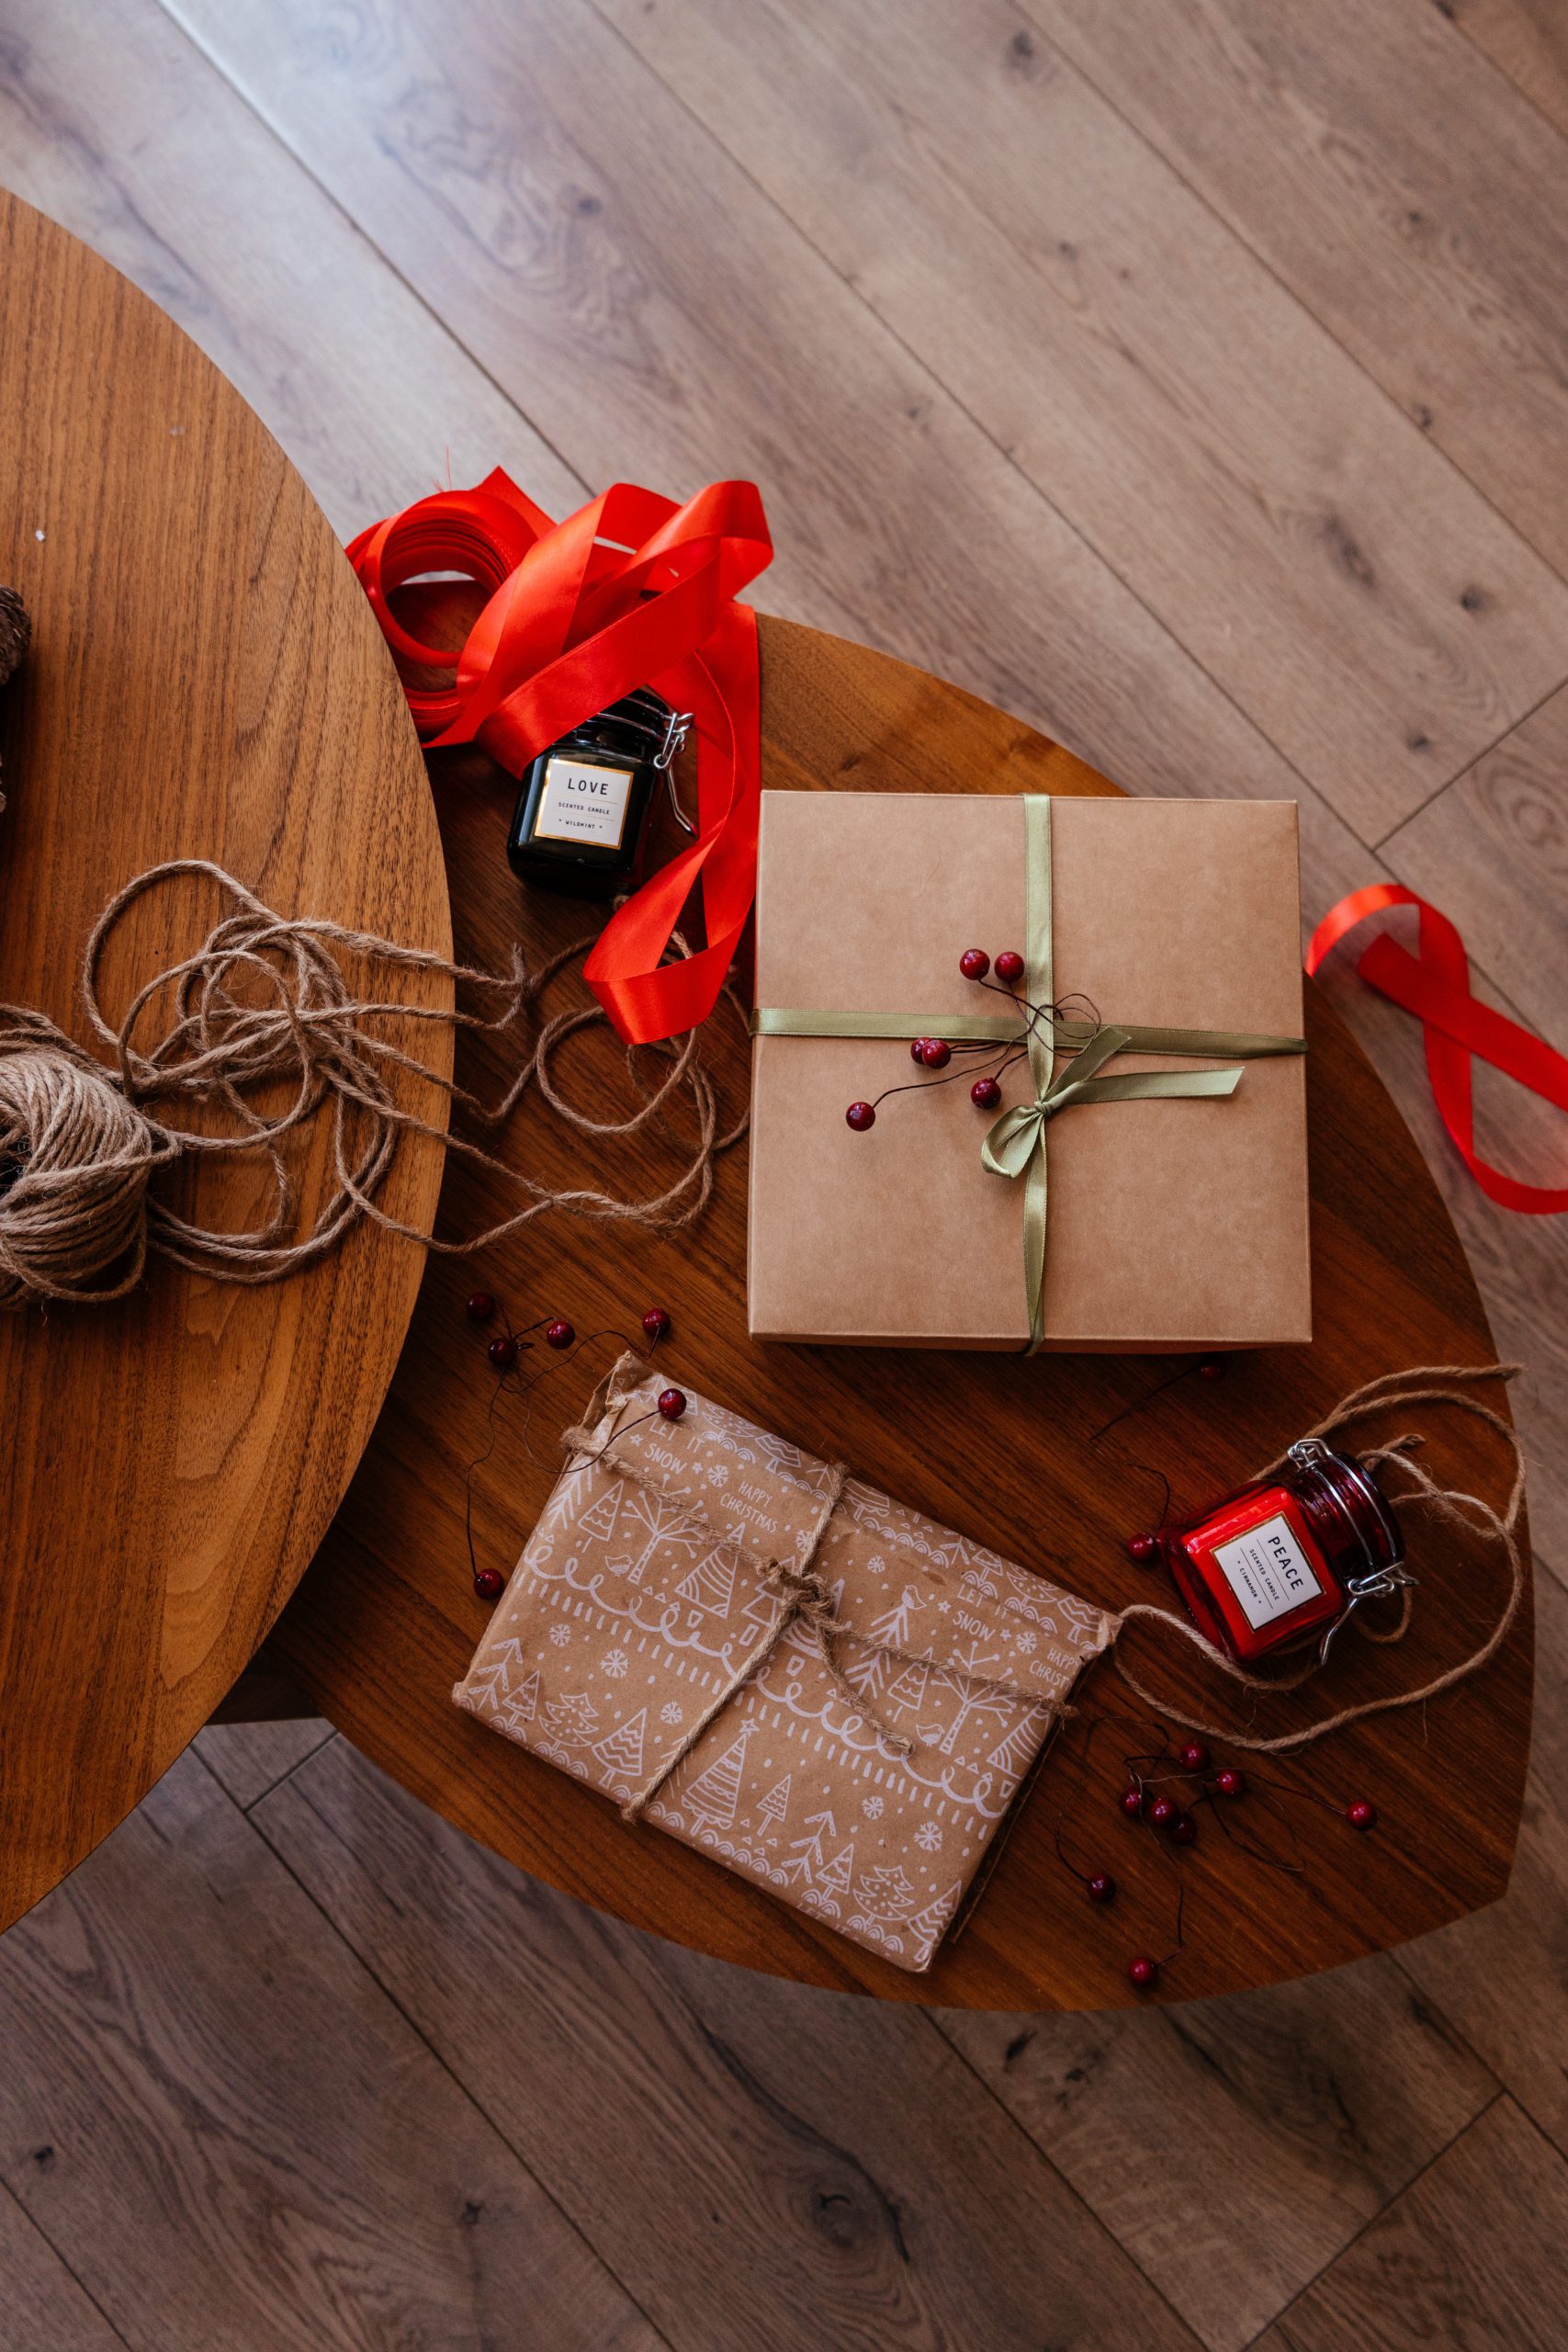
column 206, row 680
column 1002, row 1448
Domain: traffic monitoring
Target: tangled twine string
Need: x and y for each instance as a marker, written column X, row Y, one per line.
column 264, row 1000
column 1451, row 1507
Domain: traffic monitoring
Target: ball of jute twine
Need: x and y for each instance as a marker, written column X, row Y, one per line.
column 264, row 1000
column 1454, row 1511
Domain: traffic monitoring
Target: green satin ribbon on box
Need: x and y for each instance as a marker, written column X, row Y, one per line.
column 1015, row 1143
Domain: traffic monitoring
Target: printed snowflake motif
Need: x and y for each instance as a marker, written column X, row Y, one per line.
column 927, row 1837
column 560, row 1635
column 872, row 1808
column 614, row 1664
column 670, row 1713
column 1024, row 1642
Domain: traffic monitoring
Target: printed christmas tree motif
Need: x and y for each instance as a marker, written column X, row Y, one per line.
column 712, row 1795
column 883, row 1894
column 977, row 1584
column 1013, row 1750
column 806, row 1853
column 521, row 1705
column 710, row 1586
column 598, row 1520
column 620, row 1750
column 892, row 1629
column 835, row 1880
column 571, row 1719
column 761, row 1610
column 928, row 1924
column 495, row 1683
column 908, row 1691
column 779, row 1454
column 973, row 1697
column 867, row 1674
column 654, row 1520
column 773, row 1807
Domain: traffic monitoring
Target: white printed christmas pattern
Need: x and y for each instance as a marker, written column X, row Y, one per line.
column 632, row 1607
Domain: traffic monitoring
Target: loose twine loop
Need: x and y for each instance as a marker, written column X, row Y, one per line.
column 79, row 1141
column 1452, row 1508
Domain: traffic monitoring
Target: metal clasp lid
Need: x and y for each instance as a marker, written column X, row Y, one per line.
column 1371, row 1587
column 677, row 726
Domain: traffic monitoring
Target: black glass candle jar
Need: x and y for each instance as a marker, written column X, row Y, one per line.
column 582, row 814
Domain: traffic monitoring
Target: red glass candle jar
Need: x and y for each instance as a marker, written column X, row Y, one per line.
column 1289, row 1558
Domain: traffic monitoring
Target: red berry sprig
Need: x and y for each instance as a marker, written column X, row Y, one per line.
column 504, row 1350
column 934, row 1054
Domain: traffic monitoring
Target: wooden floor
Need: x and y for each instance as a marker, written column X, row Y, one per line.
column 1192, row 377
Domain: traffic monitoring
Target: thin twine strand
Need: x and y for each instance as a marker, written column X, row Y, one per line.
column 79, row 1141
column 1451, row 1506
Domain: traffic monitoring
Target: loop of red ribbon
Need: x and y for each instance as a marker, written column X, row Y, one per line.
column 1435, row 986
column 630, row 591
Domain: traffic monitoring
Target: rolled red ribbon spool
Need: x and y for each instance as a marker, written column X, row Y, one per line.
column 1435, row 986
column 630, row 591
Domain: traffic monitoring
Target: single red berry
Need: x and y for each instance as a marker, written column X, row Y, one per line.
column 1133, row 1803
column 860, row 1116
column 671, row 1403
column 935, row 1053
column 1362, row 1815
column 656, row 1323
column 558, row 1334
column 974, row 963
column 918, row 1048
column 481, row 1306
column 1010, row 967
column 1231, row 1780
column 1101, row 1888
column 1142, row 1972
column 488, row 1583
column 1163, row 1812
column 1212, row 1368
column 1194, row 1757
column 503, row 1352
column 1142, row 1548
column 985, row 1093
column 1184, row 1830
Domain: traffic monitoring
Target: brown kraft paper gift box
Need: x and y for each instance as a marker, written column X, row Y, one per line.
column 1171, row 1223
column 620, row 1651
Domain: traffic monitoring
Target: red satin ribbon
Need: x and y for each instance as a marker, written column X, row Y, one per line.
column 630, row 591
column 1435, row 986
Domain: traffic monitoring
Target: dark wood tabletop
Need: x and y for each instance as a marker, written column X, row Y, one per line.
column 206, row 680
column 1004, row 1450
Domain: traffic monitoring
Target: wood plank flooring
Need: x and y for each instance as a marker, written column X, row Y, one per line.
column 1192, row 380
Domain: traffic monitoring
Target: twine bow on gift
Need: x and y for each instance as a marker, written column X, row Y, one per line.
column 806, row 1610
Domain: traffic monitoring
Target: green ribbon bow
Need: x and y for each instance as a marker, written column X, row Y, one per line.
column 1015, row 1143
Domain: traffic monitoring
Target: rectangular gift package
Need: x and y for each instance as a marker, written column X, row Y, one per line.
column 1161, row 1223
column 698, row 1622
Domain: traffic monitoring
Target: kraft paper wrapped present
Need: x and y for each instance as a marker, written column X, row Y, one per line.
column 1160, row 1205
column 746, row 1647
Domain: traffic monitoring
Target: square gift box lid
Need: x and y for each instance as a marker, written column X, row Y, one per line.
column 1171, row 1223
